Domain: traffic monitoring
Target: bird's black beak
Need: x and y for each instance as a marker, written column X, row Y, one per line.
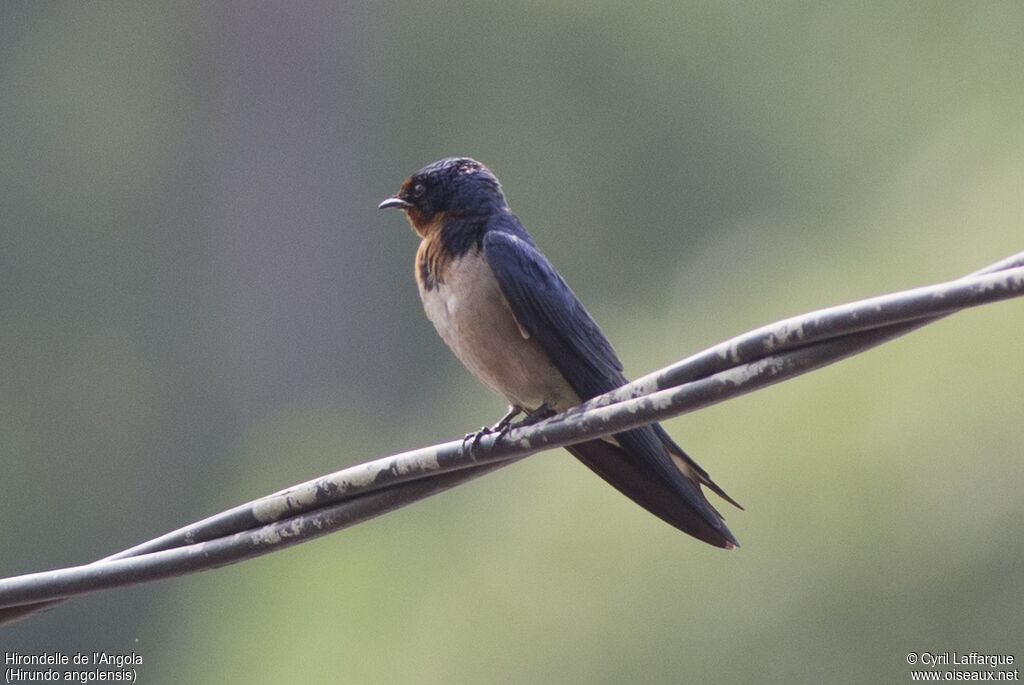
column 395, row 202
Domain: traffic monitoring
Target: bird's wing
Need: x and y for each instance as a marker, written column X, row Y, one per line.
column 643, row 463
column 547, row 309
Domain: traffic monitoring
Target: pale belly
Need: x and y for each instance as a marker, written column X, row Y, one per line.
column 473, row 318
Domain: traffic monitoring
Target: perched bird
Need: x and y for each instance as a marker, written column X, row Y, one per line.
column 514, row 323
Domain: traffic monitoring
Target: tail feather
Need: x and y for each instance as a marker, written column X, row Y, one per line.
column 637, row 463
column 685, row 463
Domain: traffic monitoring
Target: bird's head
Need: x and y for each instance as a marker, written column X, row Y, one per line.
column 455, row 186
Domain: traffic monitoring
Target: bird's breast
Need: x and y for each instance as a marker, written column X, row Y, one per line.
column 471, row 314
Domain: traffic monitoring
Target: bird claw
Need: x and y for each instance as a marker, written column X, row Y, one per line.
column 499, row 431
column 474, row 439
column 502, row 427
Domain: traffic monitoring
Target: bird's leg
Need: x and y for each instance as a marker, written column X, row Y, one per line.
column 503, row 424
column 501, row 427
column 539, row 414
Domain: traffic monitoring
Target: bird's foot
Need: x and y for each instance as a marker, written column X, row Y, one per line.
column 502, row 427
column 471, row 441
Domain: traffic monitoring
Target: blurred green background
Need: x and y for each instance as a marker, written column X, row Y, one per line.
column 201, row 304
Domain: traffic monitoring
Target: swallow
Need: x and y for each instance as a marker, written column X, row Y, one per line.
column 512, row 320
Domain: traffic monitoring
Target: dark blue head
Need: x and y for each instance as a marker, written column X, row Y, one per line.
column 455, row 187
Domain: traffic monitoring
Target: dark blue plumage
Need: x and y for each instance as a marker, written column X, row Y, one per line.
column 515, row 323
column 544, row 305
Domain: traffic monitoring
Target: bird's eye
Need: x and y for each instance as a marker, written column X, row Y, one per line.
column 418, row 190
